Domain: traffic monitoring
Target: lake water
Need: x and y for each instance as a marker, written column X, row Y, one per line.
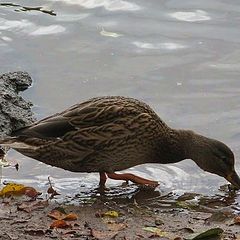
column 181, row 57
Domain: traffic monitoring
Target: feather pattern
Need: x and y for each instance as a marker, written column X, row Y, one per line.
column 101, row 134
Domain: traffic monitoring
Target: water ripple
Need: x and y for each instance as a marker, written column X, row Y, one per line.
column 110, row 5
column 166, row 45
column 52, row 29
column 198, row 15
column 26, row 26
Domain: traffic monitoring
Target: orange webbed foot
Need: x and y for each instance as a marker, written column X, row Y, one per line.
column 133, row 178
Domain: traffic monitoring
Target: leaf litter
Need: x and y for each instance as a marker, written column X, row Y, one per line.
column 69, row 221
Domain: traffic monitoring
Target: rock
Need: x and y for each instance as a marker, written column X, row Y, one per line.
column 15, row 112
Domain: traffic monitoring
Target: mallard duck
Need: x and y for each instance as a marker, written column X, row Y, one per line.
column 109, row 134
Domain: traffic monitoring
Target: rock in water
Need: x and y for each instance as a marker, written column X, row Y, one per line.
column 15, row 112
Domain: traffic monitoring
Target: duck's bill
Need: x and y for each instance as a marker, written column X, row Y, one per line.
column 234, row 179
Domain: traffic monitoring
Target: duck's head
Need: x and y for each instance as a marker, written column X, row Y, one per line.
column 215, row 157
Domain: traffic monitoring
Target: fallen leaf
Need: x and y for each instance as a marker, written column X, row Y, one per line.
column 55, row 214
column 112, row 214
column 110, row 34
column 60, row 224
column 18, row 189
column 237, row 220
column 51, row 190
column 71, row 217
column 237, row 237
column 59, row 215
column 205, row 234
column 116, row 226
column 155, row 230
column 30, row 206
column 31, row 192
column 103, row 234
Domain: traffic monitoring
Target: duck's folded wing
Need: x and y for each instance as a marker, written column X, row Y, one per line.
column 81, row 116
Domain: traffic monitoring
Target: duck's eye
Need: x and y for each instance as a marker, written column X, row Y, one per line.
column 224, row 158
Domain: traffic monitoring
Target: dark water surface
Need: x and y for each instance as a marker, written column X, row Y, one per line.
column 181, row 57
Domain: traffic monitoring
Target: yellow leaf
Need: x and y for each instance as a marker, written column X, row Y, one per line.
column 155, row 230
column 18, row 189
column 12, row 188
column 111, row 214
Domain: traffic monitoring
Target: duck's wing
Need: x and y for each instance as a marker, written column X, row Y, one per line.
column 95, row 113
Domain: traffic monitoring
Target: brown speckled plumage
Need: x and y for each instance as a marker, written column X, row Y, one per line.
column 108, row 134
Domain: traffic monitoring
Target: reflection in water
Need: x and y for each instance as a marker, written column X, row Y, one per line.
column 52, row 29
column 168, row 46
column 195, row 16
column 14, row 25
column 72, row 17
column 221, row 204
column 6, row 39
column 110, row 5
column 26, row 26
column 24, row 8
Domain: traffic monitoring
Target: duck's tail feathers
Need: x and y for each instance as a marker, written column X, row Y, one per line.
column 13, row 142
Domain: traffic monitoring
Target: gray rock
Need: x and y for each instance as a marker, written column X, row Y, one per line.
column 15, row 112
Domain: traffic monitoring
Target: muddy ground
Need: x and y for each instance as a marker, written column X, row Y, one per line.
column 162, row 217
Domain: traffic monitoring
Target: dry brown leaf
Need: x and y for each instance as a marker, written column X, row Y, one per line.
column 56, row 214
column 52, row 192
column 103, row 234
column 71, row 217
column 60, row 224
column 237, row 220
column 237, row 237
column 31, row 192
column 116, row 226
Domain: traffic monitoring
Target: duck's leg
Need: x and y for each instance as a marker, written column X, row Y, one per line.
column 133, row 178
column 103, row 179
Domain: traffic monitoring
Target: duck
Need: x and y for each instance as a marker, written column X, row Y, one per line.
column 113, row 133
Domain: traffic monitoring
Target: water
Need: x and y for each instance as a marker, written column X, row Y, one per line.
column 181, row 57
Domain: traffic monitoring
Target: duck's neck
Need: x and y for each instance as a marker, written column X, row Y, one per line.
column 178, row 145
